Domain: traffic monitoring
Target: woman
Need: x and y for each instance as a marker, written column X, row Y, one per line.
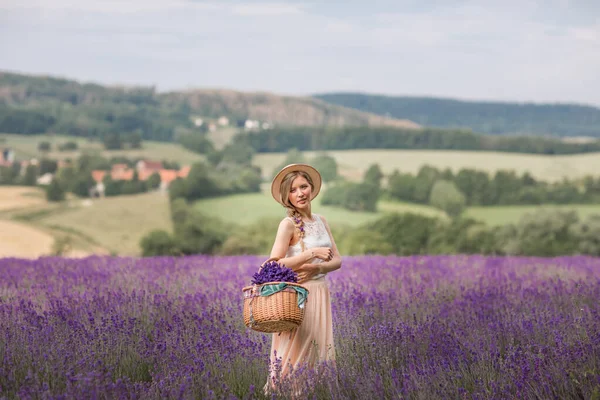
column 304, row 243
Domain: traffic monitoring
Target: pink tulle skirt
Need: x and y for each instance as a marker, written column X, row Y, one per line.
column 312, row 342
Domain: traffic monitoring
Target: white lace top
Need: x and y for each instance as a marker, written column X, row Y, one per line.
column 315, row 235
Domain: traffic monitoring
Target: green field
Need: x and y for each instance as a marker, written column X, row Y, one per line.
column 118, row 223
column 114, row 223
column 353, row 163
column 246, row 209
column 502, row 215
column 26, row 146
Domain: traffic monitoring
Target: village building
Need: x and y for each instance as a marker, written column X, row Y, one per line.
column 148, row 165
column 26, row 163
column 223, row 121
column 45, row 179
column 144, row 168
column 251, row 124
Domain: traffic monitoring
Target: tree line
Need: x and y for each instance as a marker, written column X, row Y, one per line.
column 324, row 138
column 486, row 117
column 504, row 187
column 445, row 189
column 124, row 117
column 543, row 233
column 112, row 115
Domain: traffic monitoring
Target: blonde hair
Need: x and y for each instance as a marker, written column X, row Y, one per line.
column 284, row 193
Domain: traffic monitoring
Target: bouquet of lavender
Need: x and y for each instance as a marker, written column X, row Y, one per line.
column 274, row 272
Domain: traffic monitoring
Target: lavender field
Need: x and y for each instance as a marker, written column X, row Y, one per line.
column 414, row 327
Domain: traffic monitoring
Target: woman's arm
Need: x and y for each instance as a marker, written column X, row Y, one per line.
column 336, row 260
column 285, row 233
column 309, row 270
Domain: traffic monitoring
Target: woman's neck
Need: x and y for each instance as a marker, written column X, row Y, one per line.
column 305, row 214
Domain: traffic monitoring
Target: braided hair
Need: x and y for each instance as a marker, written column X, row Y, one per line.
column 298, row 224
column 284, row 192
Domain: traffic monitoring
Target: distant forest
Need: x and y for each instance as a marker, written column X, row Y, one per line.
column 303, row 139
column 486, row 117
column 34, row 105
column 124, row 117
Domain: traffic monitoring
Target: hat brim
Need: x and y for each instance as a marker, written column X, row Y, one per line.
column 312, row 172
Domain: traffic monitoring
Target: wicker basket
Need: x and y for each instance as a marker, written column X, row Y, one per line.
column 278, row 312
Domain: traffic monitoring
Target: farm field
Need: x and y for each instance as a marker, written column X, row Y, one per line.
column 23, row 241
column 246, row 209
column 115, row 223
column 353, row 163
column 502, row 215
column 16, row 197
column 26, row 146
column 22, row 236
column 162, row 327
column 18, row 239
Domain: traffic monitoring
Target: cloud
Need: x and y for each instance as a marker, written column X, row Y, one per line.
column 267, row 9
column 337, row 26
column 105, row 6
column 589, row 34
column 513, row 49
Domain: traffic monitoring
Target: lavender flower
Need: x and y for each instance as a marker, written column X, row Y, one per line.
column 405, row 327
column 274, row 272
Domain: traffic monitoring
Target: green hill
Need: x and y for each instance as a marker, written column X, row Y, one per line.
column 41, row 104
column 484, row 117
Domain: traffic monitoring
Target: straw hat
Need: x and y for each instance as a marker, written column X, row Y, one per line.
column 313, row 173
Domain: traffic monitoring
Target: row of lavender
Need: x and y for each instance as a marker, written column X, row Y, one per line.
column 416, row 327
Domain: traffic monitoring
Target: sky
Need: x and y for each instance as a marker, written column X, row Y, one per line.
column 499, row 50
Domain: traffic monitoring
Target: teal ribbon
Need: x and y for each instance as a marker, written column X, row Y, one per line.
column 272, row 288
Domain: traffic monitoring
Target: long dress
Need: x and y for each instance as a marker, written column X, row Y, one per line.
column 312, row 342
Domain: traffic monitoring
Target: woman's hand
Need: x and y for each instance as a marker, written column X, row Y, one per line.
column 307, row 271
column 323, row 253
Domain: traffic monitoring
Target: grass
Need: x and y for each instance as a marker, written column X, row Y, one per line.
column 353, row 163
column 246, row 209
column 387, row 206
column 26, row 146
column 115, row 223
column 502, row 215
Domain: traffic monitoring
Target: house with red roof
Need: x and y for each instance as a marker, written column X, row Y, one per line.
column 148, row 165
column 145, row 170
